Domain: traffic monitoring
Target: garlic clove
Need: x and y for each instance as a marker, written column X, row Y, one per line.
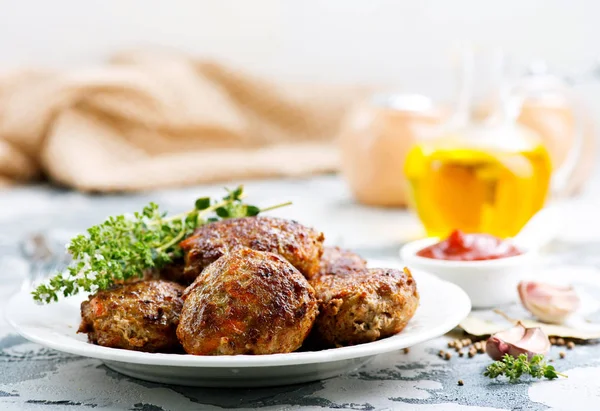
column 549, row 303
column 517, row 340
column 535, row 341
column 498, row 344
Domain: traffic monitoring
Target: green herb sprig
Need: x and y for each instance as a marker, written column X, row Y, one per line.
column 124, row 247
column 513, row 368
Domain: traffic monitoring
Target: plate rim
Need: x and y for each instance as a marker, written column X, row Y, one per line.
column 84, row 349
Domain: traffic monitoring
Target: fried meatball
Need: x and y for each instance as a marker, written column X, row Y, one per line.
column 247, row 302
column 363, row 306
column 140, row 316
column 337, row 261
column 174, row 272
column 300, row 245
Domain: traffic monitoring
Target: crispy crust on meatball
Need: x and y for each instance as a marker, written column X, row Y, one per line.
column 247, row 302
column 300, row 245
column 338, row 261
column 140, row 316
column 362, row 307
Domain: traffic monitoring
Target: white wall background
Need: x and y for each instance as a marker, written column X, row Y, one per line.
column 403, row 42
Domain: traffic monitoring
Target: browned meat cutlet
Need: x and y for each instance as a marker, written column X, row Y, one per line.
column 174, row 271
column 362, row 307
column 247, row 302
column 140, row 316
column 300, row 245
column 338, row 261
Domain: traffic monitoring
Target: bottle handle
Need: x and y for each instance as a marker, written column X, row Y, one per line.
column 561, row 176
column 559, row 183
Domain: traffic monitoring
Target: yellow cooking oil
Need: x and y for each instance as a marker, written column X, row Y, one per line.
column 487, row 183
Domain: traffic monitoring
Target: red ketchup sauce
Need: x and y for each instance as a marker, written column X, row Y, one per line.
column 469, row 247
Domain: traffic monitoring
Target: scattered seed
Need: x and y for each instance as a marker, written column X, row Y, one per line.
column 458, row 345
column 553, row 340
column 467, row 341
column 570, row 345
column 406, row 350
column 447, row 356
column 471, row 354
column 481, row 350
column 562, row 354
column 451, row 344
column 477, row 345
column 441, row 353
column 461, row 382
column 560, row 341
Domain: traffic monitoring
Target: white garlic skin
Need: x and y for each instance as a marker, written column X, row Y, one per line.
column 516, row 341
column 549, row 303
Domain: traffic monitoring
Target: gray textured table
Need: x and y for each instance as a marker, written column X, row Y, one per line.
column 36, row 378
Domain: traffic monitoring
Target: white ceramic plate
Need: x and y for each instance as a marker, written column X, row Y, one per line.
column 443, row 305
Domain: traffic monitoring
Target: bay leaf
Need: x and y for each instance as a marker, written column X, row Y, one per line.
column 477, row 326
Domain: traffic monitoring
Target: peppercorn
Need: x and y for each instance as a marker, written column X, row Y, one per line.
column 560, row 341
column 406, row 350
column 447, row 356
column 467, row 341
column 562, row 354
column 451, row 344
column 461, row 353
column 477, row 345
column 471, row 354
column 570, row 345
column 458, row 345
column 553, row 340
column 461, row 382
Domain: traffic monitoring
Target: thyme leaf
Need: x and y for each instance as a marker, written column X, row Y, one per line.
column 514, row 368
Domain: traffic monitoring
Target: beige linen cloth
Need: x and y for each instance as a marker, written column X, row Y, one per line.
column 150, row 120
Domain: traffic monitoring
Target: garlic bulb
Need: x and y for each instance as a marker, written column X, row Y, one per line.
column 517, row 340
column 550, row 303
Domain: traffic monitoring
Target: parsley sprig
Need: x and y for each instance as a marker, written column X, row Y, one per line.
column 513, row 368
column 124, row 247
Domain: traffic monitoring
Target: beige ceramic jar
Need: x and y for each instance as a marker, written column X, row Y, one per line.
column 374, row 143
